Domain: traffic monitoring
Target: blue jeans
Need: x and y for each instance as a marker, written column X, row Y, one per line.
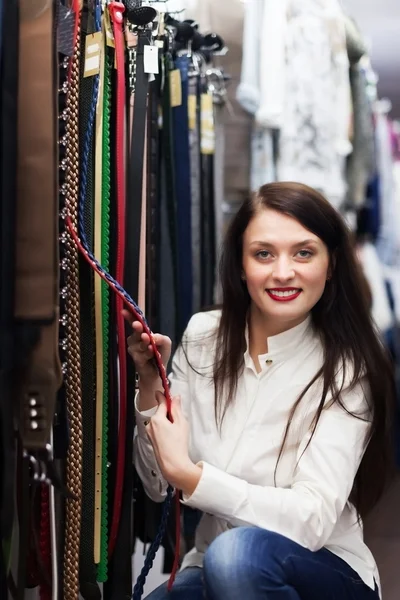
column 248, row 563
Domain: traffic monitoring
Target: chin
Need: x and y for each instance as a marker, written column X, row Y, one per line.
column 285, row 311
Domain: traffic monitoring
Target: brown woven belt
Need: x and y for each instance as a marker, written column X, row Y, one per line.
column 73, row 376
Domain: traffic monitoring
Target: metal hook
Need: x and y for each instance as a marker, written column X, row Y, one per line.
column 34, row 464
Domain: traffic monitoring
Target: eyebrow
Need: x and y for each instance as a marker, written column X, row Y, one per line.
column 296, row 245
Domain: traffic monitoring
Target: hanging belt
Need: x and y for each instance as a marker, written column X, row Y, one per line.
column 135, row 264
column 23, row 537
column 105, row 240
column 45, row 539
column 116, row 10
column 171, row 198
column 207, row 200
column 73, row 379
column 137, row 188
column 194, row 142
column 61, row 425
column 36, row 311
column 120, row 567
column 8, row 169
column 183, row 192
column 98, row 303
column 153, row 205
column 53, row 540
column 88, row 97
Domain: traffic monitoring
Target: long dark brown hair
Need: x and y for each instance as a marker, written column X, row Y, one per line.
column 341, row 317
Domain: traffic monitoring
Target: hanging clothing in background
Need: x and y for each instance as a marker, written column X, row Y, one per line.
column 361, row 161
column 314, row 137
column 295, row 81
column 372, row 268
column 263, row 71
column 388, row 242
column 248, row 91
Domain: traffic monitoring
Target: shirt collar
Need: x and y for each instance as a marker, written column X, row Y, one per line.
column 283, row 345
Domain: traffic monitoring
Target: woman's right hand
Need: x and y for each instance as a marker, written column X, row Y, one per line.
column 142, row 352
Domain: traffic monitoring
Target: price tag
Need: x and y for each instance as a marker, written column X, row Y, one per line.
column 175, row 86
column 108, row 28
column 192, row 110
column 207, row 141
column 151, row 59
column 92, row 54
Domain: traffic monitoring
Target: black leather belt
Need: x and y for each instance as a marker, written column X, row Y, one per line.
column 8, row 169
column 120, row 583
column 87, row 569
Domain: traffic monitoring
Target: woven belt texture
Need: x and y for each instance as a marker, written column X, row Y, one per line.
column 73, row 378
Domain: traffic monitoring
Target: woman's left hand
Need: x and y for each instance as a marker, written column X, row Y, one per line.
column 171, row 445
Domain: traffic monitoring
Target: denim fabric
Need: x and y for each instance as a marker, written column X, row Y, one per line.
column 248, row 563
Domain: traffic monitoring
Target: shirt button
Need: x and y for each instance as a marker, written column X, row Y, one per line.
column 154, row 474
column 269, row 361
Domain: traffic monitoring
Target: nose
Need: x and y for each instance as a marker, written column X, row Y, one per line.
column 283, row 270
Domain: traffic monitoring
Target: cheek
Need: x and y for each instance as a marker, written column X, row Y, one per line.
column 316, row 279
column 255, row 274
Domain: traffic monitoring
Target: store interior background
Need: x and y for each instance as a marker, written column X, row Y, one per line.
column 379, row 21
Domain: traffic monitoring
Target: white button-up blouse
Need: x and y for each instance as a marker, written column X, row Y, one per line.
column 309, row 503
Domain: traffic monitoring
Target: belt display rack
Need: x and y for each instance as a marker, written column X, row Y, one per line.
column 108, row 114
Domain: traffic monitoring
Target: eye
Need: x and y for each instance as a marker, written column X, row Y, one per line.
column 263, row 254
column 305, row 253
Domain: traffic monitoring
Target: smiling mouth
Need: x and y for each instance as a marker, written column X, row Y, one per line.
column 283, row 295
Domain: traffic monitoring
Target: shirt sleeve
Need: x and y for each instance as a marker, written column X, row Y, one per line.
column 144, row 459
column 308, row 511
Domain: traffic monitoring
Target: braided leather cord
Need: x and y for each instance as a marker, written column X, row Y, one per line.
column 105, row 252
column 73, row 379
column 151, row 554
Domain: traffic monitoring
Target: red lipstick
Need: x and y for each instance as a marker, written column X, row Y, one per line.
column 283, row 294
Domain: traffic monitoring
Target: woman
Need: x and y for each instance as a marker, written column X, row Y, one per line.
column 282, row 413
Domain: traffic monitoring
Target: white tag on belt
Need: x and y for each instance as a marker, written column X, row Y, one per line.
column 151, row 59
